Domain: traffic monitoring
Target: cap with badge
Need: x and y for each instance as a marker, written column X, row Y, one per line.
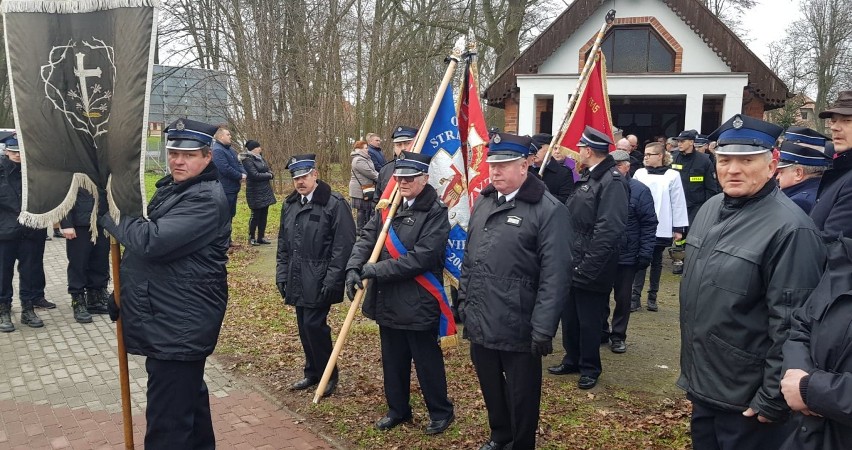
column 505, row 147
column 687, row 135
column 842, row 106
column 806, row 137
column 792, row 153
column 404, row 134
column 700, row 140
column 744, row 135
column 595, row 140
column 301, row 165
column 9, row 139
column 187, row 135
column 410, row 164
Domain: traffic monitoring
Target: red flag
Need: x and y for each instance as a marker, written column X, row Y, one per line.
column 474, row 135
column 592, row 108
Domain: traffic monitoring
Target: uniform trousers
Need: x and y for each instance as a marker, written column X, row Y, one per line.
column 582, row 321
column 178, row 413
column 716, row 429
column 511, row 388
column 315, row 335
column 621, row 293
column 30, row 256
column 656, row 272
column 257, row 222
column 399, row 347
column 88, row 263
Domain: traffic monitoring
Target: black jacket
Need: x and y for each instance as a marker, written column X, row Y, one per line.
column 819, row 344
column 557, row 178
column 749, row 264
column 385, row 174
column 640, row 234
column 394, row 299
column 174, row 284
column 10, row 204
column 259, row 193
column 832, row 212
column 698, row 175
column 513, row 278
column 80, row 214
column 314, row 243
column 598, row 209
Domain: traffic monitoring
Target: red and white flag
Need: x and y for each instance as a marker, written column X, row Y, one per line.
column 474, row 135
column 592, row 109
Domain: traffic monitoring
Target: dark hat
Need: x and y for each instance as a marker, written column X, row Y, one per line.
column 620, row 156
column 10, row 140
column 842, row 106
column 492, row 131
column 806, row 136
column 687, row 135
column 595, row 140
column 301, row 165
column 508, row 147
column 409, row 164
column 700, row 140
column 542, row 139
column 403, row 133
column 251, row 145
column 185, row 134
column 792, row 153
column 744, row 135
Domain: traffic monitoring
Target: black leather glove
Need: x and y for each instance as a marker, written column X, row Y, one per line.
column 353, row 279
column 325, row 294
column 368, row 271
column 541, row 345
column 643, row 263
column 112, row 307
column 282, row 288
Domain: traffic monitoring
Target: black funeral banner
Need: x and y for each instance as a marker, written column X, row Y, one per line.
column 80, row 76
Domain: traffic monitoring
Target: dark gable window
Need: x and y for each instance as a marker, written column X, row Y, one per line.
column 637, row 49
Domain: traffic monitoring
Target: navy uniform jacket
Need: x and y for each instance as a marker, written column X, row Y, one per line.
column 698, row 175
column 804, row 194
column 832, row 212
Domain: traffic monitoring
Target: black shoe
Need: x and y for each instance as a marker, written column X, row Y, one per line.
column 96, row 301
column 29, row 316
column 439, row 426
column 618, row 346
column 491, row 445
column 264, row 241
column 42, row 303
column 635, row 306
column 304, row 383
column 330, row 388
column 253, row 243
column 587, row 382
column 562, row 369
column 6, row 325
column 386, row 423
column 652, row 306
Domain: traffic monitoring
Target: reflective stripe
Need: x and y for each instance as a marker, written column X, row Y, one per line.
column 677, row 166
column 698, row 179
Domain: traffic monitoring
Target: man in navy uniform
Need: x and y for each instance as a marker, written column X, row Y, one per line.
column 314, row 242
column 174, row 287
column 832, row 212
column 752, row 257
column 403, row 140
column 556, row 176
column 802, row 163
column 406, row 312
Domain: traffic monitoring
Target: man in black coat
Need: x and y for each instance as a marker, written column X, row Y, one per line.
column 17, row 242
column 406, row 312
column 832, row 212
column 556, row 176
column 598, row 209
column 512, row 290
column 174, row 287
column 800, row 169
column 314, row 242
column 403, row 140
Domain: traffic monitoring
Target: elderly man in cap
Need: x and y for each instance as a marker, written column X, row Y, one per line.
column 598, row 209
column 174, row 287
column 316, row 235
column 556, row 176
column 832, row 212
column 752, row 257
column 18, row 243
column 406, row 312
column 403, row 140
column 513, row 288
column 802, row 163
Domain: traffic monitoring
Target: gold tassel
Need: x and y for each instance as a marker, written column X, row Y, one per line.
column 448, row 342
column 383, row 204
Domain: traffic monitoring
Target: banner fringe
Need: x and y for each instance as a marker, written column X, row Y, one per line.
column 72, row 6
column 47, row 219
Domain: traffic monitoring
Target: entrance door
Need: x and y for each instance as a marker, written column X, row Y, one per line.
column 648, row 117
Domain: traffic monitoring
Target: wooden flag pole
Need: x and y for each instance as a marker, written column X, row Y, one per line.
column 396, row 199
column 123, row 374
column 581, row 82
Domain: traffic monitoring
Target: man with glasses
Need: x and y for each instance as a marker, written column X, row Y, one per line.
column 407, row 314
column 832, row 212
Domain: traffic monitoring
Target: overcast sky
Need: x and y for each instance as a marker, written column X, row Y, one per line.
column 767, row 22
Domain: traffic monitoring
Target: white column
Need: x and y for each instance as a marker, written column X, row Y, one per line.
column 526, row 112
column 560, row 104
column 694, row 105
column 733, row 104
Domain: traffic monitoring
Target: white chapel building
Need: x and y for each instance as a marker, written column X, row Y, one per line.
column 671, row 65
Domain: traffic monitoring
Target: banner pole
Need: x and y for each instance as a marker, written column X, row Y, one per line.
column 396, row 199
column 572, row 100
column 123, row 373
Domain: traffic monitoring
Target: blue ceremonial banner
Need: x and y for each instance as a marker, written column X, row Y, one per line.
column 447, row 176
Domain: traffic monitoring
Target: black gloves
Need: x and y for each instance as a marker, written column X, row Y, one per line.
column 325, row 295
column 112, row 307
column 643, row 263
column 353, row 279
column 282, row 288
column 541, row 345
column 368, row 271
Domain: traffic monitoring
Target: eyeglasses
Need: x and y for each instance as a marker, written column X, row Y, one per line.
column 648, row 155
column 406, row 179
